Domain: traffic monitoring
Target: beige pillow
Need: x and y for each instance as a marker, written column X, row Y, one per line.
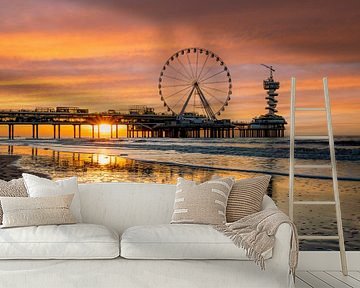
column 30, row 211
column 13, row 188
column 246, row 197
column 202, row 204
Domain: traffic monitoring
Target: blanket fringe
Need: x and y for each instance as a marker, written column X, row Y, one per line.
column 256, row 234
column 240, row 243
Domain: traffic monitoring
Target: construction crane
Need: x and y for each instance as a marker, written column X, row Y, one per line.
column 270, row 68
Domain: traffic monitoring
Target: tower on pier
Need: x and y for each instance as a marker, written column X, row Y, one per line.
column 271, row 86
column 270, row 121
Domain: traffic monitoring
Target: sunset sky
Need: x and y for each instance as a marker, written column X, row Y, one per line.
column 108, row 54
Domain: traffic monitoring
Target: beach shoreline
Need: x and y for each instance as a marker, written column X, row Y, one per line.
column 224, row 147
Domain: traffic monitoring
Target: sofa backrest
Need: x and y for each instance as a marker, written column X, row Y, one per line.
column 122, row 205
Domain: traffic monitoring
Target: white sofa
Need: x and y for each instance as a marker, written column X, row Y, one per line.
column 119, row 206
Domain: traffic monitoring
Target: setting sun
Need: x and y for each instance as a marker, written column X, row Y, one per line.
column 105, row 128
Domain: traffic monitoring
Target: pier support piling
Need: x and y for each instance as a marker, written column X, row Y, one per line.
column 59, row 131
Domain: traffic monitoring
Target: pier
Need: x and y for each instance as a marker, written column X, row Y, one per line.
column 137, row 125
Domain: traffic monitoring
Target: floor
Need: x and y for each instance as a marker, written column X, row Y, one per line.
column 327, row 279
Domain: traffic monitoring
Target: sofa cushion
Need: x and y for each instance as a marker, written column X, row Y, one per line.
column 13, row 188
column 73, row 241
column 42, row 187
column 203, row 203
column 29, row 211
column 181, row 241
column 246, row 197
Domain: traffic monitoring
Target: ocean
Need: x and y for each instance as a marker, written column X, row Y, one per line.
column 164, row 160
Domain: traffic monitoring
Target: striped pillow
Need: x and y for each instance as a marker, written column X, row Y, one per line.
column 202, row 204
column 246, row 197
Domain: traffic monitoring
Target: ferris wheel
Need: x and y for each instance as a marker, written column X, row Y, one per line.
column 195, row 81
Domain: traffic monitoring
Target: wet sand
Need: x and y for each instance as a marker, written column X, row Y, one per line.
column 9, row 171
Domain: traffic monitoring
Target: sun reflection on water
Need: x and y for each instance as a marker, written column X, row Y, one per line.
column 102, row 159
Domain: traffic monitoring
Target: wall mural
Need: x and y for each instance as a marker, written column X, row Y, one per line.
column 116, row 91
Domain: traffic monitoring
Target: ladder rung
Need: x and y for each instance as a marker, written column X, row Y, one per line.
column 321, row 166
column 311, row 137
column 310, row 109
column 318, row 237
column 315, row 202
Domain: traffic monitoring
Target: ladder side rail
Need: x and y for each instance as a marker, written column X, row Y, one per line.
column 292, row 149
column 334, row 178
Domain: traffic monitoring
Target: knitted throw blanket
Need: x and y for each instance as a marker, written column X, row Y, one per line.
column 256, row 234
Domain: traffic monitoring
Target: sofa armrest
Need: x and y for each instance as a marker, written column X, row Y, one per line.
column 279, row 263
column 281, row 248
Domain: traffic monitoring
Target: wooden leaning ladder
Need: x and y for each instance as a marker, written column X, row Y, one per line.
column 332, row 166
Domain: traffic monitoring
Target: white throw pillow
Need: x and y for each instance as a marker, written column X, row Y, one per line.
column 181, row 241
column 42, row 187
column 31, row 211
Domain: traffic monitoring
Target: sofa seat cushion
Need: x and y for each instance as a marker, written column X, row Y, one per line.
column 180, row 241
column 73, row 241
